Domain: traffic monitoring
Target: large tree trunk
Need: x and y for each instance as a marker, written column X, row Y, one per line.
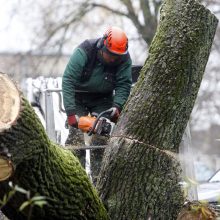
column 41, row 166
column 141, row 172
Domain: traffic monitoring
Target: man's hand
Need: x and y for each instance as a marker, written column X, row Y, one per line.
column 115, row 114
column 73, row 120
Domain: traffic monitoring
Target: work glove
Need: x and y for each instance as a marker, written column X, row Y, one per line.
column 73, row 120
column 115, row 114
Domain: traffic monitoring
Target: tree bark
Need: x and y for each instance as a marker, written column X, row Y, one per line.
column 41, row 166
column 141, row 173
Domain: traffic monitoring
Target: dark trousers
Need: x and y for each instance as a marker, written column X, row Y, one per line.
column 89, row 103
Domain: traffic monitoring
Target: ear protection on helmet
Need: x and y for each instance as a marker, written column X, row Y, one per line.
column 100, row 44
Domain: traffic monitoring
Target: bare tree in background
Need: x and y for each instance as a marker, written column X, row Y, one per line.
column 59, row 21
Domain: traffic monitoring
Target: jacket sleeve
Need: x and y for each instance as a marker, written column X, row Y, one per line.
column 71, row 78
column 123, row 84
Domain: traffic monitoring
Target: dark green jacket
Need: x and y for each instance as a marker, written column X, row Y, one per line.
column 97, row 83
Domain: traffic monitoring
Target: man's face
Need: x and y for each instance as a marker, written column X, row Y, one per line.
column 110, row 58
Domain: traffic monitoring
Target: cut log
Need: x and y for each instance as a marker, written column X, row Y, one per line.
column 41, row 166
column 9, row 99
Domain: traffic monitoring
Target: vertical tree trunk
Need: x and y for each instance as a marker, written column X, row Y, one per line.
column 141, row 172
column 41, row 166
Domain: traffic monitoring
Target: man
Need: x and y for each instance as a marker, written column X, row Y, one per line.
column 97, row 77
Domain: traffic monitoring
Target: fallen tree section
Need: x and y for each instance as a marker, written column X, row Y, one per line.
column 40, row 166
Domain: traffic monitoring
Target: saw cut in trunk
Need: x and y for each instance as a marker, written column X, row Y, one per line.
column 31, row 161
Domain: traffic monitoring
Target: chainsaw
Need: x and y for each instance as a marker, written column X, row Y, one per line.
column 96, row 124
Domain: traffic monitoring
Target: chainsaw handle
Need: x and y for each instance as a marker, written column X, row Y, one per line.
column 97, row 119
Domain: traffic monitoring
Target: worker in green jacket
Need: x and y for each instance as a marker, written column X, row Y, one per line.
column 97, row 77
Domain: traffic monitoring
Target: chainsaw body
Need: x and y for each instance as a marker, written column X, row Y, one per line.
column 96, row 125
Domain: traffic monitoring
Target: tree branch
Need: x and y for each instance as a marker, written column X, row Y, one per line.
column 84, row 9
column 146, row 11
column 109, row 9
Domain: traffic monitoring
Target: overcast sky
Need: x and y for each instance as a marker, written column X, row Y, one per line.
column 13, row 32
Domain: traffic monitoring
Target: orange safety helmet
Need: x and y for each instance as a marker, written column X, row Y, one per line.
column 116, row 41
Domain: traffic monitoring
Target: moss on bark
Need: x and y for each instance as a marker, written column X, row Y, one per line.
column 45, row 168
column 141, row 173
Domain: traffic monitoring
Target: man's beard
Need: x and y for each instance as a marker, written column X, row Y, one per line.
column 104, row 62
